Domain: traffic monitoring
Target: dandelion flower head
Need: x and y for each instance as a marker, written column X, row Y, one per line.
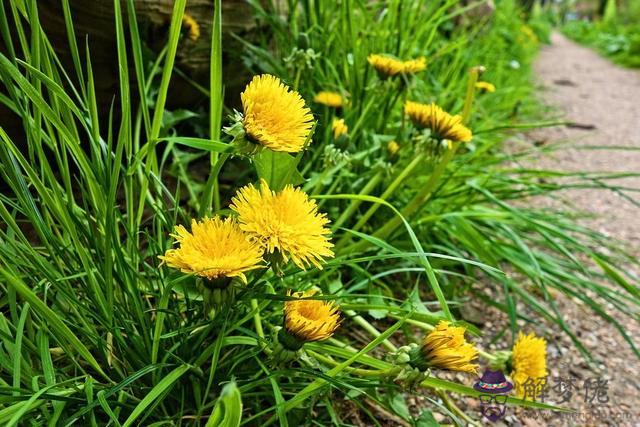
column 339, row 128
column 414, row 66
column 330, row 99
column 486, row 86
column 214, row 248
column 286, row 221
column 446, row 348
column 308, row 319
column 442, row 124
column 393, row 147
column 529, row 360
column 191, row 27
column 275, row 116
column 387, row 66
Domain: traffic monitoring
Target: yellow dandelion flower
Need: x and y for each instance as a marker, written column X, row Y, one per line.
column 529, row 361
column 191, row 27
column 446, row 348
column 310, row 320
column 330, row 99
column 214, row 249
column 529, row 33
column 393, row 147
column 286, row 223
column 275, row 116
column 442, row 124
column 339, row 128
column 387, row 66
column 414, row 66
column 486, row 86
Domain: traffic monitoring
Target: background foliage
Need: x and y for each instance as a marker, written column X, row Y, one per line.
column 616, row 35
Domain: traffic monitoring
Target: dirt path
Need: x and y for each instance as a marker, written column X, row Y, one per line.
column 604, row 100
column 591, row 91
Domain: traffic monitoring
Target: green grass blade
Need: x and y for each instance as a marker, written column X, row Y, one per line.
column 156, row 393
column 53, row 320
column 17, row 348
column 174, row 38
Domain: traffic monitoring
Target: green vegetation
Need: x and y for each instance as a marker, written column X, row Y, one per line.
column 616, row 36
column 95, row 331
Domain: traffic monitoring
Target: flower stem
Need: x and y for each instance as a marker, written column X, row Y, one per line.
column 331, row 190
column 379, row 373
column 211, row 187
column 216, row 102
column 297, row 79
column 386, row 194
column 454, row 408
column 416, row 203
column 319, row 183
column 370, row 328
column 423, row 196
column 488, row 356
column 390, row 102
column 471, row 90
column 353, row 206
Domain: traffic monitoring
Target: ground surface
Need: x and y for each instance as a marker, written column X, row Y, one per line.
column 603, row 100
column 592, row 92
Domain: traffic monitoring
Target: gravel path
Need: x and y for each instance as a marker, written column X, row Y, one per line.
column 603, row 102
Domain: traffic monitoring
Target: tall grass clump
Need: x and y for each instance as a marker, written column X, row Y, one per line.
column 350, row 203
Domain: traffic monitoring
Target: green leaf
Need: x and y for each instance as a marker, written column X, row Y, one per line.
column 277, row 395
column 22, row 408
column 228, row 409
column 426, row 419
column 216, row 97
column 422, row 256
column 17, row 349
column 375, row 298
column 278, row 169
column 73, row 418
column 399, row 405
column 136, row 48
column 172, row 48
column 156, row 393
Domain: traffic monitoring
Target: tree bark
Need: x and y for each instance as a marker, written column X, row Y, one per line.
column 94, row 23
